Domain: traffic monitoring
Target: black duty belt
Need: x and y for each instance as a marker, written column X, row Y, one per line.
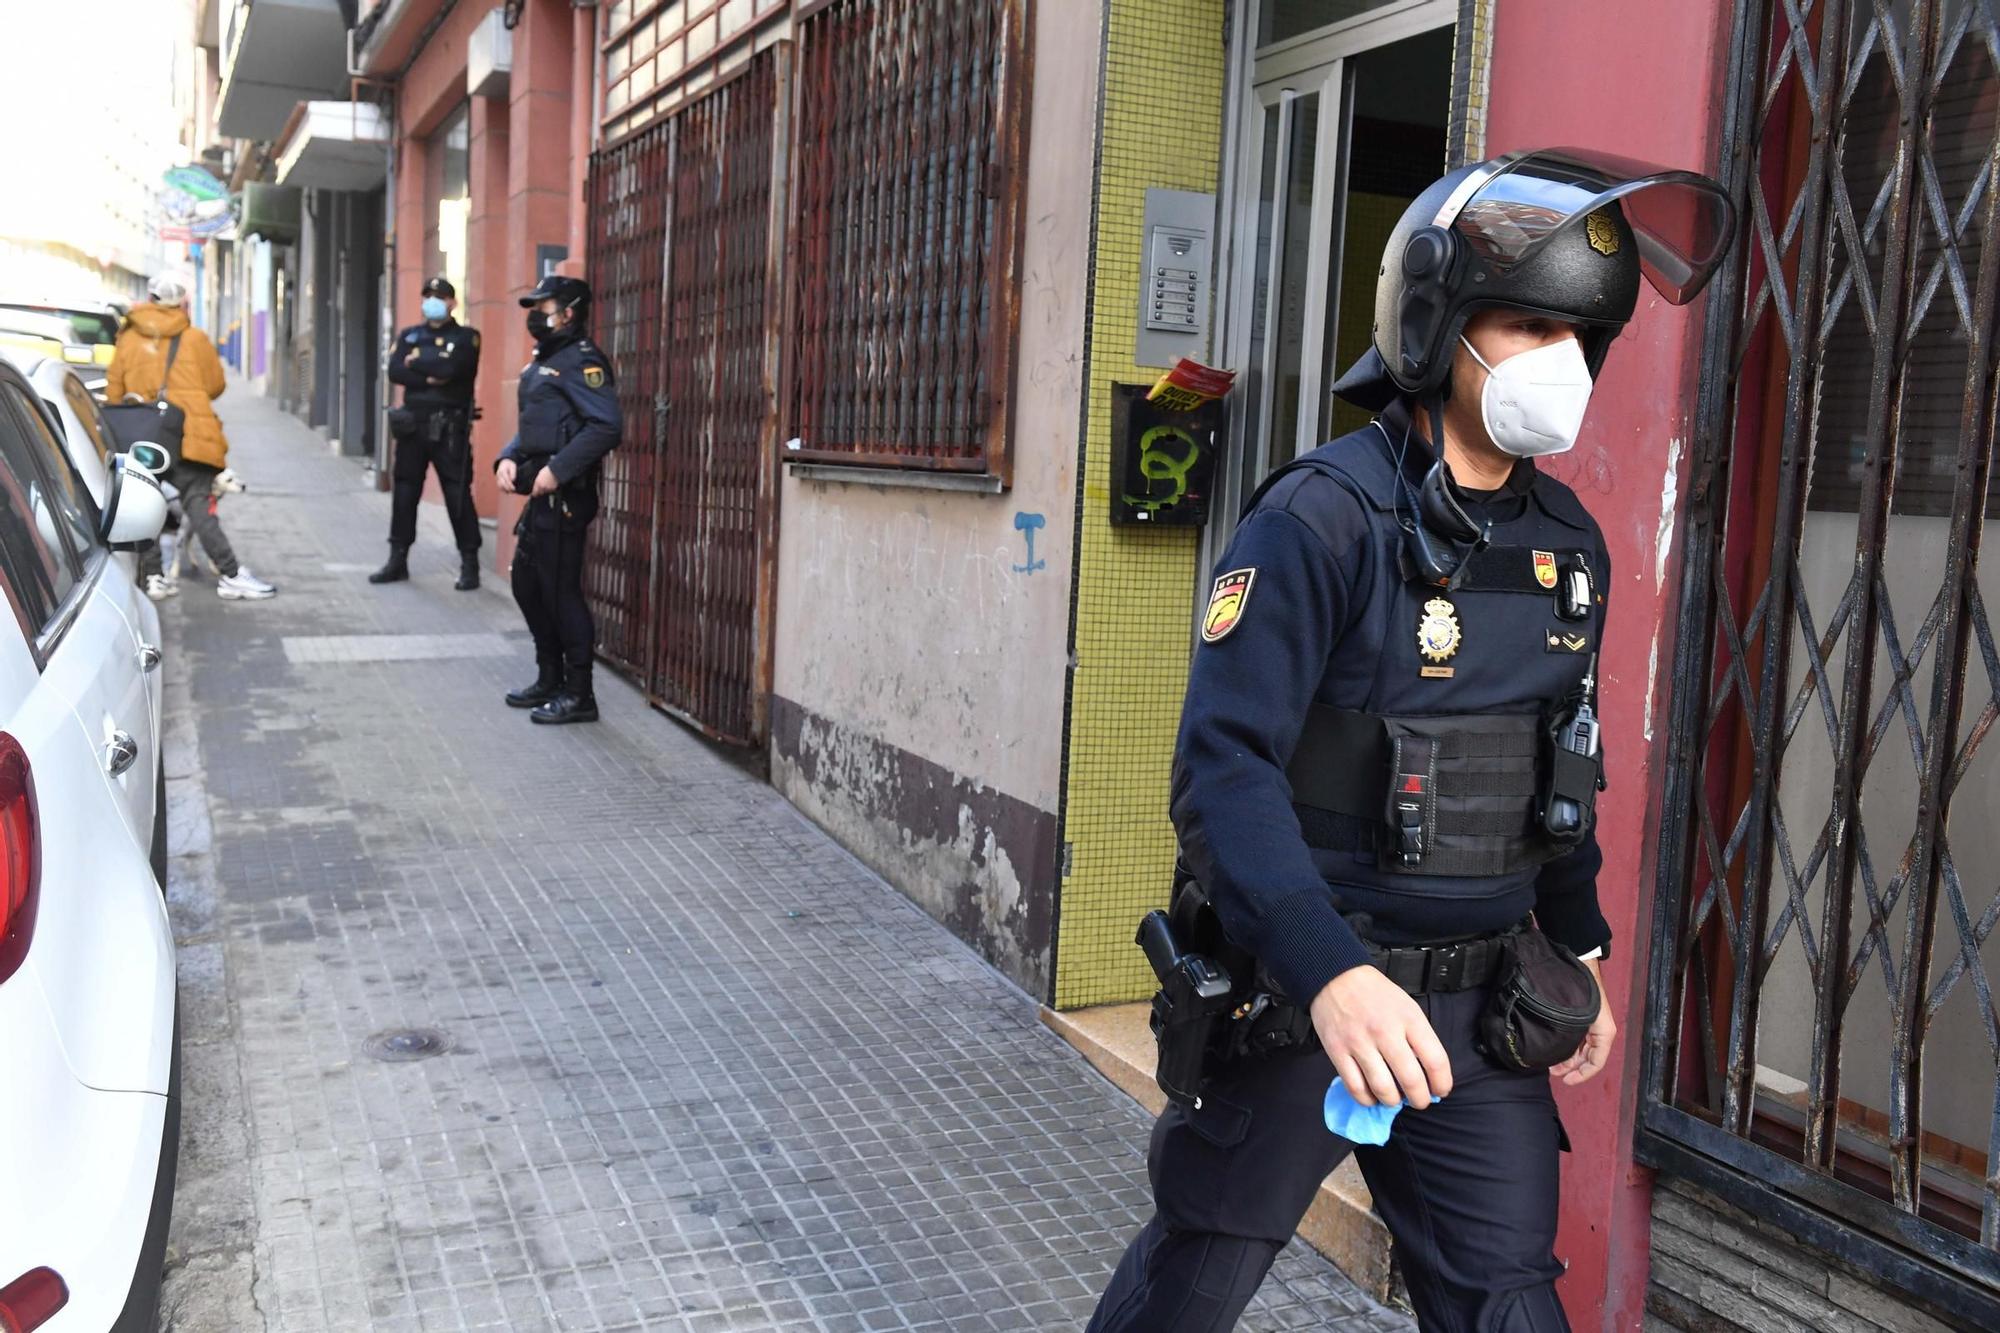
column 1425, row 969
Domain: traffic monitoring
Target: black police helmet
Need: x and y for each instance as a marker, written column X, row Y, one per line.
column 441, row 286
column 571, row 293
column 1559, row 232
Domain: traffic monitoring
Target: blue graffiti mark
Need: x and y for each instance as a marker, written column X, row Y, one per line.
column 1026, row 525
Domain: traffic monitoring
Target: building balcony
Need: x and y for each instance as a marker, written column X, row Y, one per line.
column 276, row 54
column 336, row 146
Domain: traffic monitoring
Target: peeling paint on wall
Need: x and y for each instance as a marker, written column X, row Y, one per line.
column 1652, row 682
column 1663, row 540
column 976, row 859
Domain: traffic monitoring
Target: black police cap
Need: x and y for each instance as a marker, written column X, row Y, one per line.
column 441, row 286
column 554, row 286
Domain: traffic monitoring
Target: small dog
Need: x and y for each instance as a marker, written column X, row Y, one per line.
column 185, row 550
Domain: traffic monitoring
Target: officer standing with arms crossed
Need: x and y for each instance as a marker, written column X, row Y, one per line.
column 1384, row 780
column 437, row 363
column 569, row 420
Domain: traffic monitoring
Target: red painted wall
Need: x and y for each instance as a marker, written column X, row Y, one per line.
column 524, row 186
column 1644, row 81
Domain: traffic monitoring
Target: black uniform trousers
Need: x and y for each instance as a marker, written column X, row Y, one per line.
column 548, row 587
column 442, row 440
column 1468, row 1189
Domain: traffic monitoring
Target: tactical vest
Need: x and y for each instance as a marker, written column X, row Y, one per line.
column 1431, row 748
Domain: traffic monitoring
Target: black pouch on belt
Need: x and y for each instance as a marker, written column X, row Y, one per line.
column 1542, row 1005
column 403, row 423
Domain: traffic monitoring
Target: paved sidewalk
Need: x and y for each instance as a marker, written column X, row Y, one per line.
column 699, row 1069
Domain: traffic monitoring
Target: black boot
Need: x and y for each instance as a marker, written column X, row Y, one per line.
column 468, row 571
column 396, row 570
column 548, row 684
column 576, row 703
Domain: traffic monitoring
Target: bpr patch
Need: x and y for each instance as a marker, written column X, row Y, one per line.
column 594, row 376
column 1226, row 603
column 1545, row 568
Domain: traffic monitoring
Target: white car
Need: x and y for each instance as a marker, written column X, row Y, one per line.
column 87, row 437
column 89, row 1092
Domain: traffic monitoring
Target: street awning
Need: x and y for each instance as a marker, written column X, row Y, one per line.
column 336, row 146
column 276, row 54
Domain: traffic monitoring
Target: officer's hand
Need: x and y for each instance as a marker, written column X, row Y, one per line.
column 1596, row 1049
column 504, row 474
column 1380, row 1043
column 545, row 482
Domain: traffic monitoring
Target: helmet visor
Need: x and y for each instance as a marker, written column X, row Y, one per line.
column 1682, row 221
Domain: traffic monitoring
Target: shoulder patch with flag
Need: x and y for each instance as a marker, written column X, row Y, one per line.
column 1226, row 604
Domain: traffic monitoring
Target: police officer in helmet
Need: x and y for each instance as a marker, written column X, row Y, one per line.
column 1386, row 769
column 569, row 420
column 437, row 363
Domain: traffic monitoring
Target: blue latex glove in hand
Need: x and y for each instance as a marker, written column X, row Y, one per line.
column 1357, row 1123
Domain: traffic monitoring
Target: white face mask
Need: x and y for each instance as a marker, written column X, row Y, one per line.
column 1534, row 401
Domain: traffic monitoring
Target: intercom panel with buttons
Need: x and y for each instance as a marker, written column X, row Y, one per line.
column 1178, row 256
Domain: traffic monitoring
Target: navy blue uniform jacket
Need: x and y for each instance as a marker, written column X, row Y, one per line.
column 448, row 352
column 1329, row 618
column 569, row 416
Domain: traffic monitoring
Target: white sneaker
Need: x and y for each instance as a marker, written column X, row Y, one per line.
column 243, row 586
column 159, row 587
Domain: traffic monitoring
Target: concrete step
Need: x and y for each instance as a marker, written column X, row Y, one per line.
column 1341, row 1224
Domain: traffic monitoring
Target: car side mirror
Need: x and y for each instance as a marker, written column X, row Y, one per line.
column 136, row 509
column 149, row 456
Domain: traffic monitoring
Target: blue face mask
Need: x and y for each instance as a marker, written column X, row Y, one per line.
column 435, row 308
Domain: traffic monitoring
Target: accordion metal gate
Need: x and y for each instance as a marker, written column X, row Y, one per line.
column 683, row 557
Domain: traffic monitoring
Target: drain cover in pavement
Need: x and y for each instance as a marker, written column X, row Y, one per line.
column 400, row 1044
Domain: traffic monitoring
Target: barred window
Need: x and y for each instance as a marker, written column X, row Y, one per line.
column 907, row 195
column 1933, row 390
column 1822, row 1045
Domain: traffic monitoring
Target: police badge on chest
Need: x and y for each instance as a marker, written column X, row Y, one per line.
column 1438, row 637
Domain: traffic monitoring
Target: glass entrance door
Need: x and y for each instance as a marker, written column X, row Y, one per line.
column 1338, row 129
column 1288, row 226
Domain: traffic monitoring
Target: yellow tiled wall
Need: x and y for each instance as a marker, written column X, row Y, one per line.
column 1472, row 79
column 1162, row 128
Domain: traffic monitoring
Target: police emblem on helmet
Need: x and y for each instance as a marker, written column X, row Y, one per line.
column 1602, row 231
column 1438, row 632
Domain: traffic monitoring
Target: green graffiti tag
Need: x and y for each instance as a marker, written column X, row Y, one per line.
column 1157, row 465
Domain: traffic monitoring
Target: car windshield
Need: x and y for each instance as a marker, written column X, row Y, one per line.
column 94, row 327
column 18, row 319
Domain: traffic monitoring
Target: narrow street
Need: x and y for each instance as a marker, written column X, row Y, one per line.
column 495, row 1026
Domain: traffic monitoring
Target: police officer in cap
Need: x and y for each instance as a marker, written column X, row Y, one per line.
column 437, row 363
column 1386, row 766
column 569, row 420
